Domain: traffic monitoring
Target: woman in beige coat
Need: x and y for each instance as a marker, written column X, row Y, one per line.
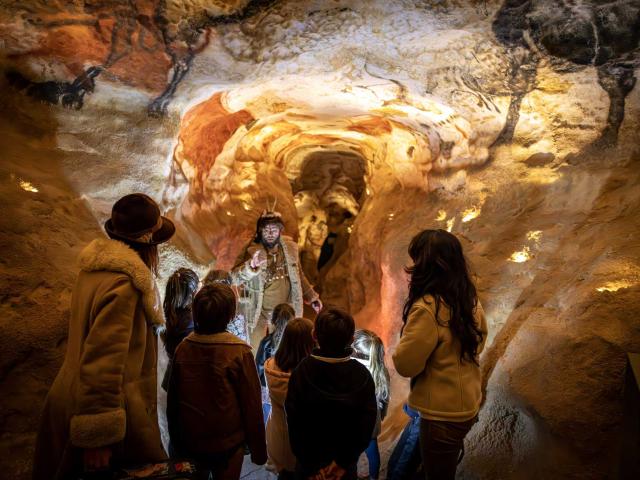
column 295, row 345
column 443, row 334
column 101, row 408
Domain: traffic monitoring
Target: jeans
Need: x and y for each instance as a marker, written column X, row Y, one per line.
column 442, row 445
column 373, row 457
column 405, row 460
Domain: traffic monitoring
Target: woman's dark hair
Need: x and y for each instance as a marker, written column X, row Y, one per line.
column 296, row 344
column 283, row 313
column 148, row 254
column 179, row 292
column 213, row 308
column 369, row 347
column 440, row 270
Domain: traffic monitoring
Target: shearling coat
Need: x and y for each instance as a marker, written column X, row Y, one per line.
column 443, row 387
column 254, row 280
column 105, row 392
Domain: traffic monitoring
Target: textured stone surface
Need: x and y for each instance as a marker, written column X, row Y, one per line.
column 478, row 117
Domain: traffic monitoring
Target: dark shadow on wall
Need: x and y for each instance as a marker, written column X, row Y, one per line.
column 42, row 234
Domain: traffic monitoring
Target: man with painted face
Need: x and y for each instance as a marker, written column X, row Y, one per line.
column 269, row 269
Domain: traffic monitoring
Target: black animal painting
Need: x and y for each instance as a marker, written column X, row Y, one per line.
column 578, row 33
column 68, row 94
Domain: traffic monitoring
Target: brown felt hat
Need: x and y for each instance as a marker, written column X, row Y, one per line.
column 136, row 218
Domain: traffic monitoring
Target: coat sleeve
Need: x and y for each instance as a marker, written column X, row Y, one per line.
column 242, row 271
column 173, row 403
column 295, row 412
column 308, row 293
column 100, row 417
column 250, row 395
column 363, row 424
column 419, row 339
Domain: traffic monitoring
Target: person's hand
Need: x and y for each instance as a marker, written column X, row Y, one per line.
column 316, row 305
column 259, row 258
column 97, row 458
column 332, row 471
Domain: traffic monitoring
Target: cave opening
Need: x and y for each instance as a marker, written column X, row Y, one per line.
column 328, row 193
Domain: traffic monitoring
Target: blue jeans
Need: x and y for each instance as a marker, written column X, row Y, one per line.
column 373, row 456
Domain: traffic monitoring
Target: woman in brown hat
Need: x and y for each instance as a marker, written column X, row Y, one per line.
column 101, row 409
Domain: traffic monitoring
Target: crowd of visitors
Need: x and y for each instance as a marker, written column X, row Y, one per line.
column 322, row 387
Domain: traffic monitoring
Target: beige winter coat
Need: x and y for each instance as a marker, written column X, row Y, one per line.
column 278, row 446
column 105, row 392
column 443, row 387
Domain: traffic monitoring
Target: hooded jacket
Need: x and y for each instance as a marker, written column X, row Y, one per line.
column 105, row 391
column 278, row 445
column 331, row 411
column 214, row 403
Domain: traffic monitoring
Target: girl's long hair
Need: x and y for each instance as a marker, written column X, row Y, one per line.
column 296, row 344
column 283, row 313
column 368, row 346
column 180, row 290
column 440, row 270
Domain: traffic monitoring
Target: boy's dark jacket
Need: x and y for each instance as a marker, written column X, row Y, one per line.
column 331, row 411
column 214, row 402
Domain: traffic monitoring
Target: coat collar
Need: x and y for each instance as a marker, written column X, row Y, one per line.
column 344, row 357
column 115, row 256
column 222, row 338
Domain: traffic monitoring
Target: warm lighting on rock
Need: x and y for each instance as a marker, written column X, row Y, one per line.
column 534, row 235
column 470, row 213
column 442, row 216
column 520, row 256
column 28, row 186
column 614, row 286
column 450, row 223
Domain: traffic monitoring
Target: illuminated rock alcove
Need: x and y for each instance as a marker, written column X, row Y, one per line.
column 513, row 124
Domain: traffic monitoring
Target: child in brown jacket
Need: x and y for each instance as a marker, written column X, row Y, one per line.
column 214, row 400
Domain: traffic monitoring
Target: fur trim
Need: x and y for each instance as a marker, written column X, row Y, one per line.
column 115, row 256
column 291, row 258
column 222, row 338
column 99, row 429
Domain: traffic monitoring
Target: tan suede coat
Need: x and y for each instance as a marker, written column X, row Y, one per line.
column 443, row 387
column 105, row 392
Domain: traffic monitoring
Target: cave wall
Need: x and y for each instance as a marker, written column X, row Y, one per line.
column 513, row 124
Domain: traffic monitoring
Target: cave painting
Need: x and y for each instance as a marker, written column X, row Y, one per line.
column 575, row 35
column 137, row 43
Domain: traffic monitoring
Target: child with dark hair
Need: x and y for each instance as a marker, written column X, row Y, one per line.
column 179, row 292
column 296, row 345
column 331, row 403
column 238, row 325
column 214, row 401
column 283, row 313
